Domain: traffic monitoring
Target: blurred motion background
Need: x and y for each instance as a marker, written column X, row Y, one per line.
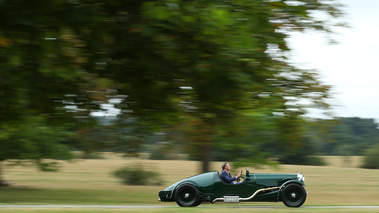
column 167, row 80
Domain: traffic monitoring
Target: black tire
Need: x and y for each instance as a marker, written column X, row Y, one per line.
column 187, row 195
column 293, row 195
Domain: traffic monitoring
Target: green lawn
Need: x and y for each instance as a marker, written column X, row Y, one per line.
column 89, row 182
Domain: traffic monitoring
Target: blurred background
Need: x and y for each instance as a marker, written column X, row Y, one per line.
column 172, row 80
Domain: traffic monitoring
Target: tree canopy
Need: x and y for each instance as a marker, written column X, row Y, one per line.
column 168, row 62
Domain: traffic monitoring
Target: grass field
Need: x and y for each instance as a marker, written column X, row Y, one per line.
column 91, row 182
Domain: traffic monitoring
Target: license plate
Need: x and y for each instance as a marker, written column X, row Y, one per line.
column 231, row 199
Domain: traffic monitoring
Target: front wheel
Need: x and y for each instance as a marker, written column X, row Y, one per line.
column 293, row 195
column 187, row 195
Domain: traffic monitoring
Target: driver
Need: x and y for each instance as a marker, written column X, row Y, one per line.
column 225, row 174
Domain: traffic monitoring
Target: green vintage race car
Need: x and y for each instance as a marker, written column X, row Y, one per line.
column 208, row 187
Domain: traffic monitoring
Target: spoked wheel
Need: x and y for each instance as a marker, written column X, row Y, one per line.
column 293, row 195
column 187, row 196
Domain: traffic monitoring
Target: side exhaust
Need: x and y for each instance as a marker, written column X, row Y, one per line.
column 236, row 199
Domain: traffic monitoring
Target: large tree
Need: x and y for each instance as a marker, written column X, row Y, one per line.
column 214, row 59
column 201, row 61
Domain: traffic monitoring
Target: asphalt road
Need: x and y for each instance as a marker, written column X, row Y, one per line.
column 147, row 207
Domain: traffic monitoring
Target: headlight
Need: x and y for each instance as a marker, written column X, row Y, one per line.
column 300, row 177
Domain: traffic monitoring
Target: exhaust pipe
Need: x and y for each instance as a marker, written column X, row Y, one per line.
column 236, row 199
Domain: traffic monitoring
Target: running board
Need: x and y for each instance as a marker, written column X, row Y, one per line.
column 236, row 199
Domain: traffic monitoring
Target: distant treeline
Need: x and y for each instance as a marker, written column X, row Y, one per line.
column 344, row 136
column 349, row 136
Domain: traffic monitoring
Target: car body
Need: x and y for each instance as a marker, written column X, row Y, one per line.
column 255, row 187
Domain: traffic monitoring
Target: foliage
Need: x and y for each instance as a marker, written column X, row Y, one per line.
column 167, row 62
column 294, row 143
column 344, row 136
column 255, row 139
column 245, row 138
column 371, row 160
column 231, row 56
column 34, row 141
column 44, row 84
column 137, row 175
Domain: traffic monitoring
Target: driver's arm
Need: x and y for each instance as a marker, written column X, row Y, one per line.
column 226, row 178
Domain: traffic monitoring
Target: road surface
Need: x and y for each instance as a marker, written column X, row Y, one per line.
column 174, row 206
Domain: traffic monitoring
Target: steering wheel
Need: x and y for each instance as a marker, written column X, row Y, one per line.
column 247, row 175
column 247, row 172
column 238, row 179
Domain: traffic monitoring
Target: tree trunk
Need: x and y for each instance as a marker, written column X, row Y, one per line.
column 199, row 131
column 206, row 146
column 1, row 172
column 206, row 155
column 2, row 181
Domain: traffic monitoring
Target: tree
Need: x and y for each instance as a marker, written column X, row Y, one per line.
column 370, row 159
column 203, row 61
column 43, row 78
column 229, row 55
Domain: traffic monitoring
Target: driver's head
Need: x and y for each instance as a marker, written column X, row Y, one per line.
column 225, row 166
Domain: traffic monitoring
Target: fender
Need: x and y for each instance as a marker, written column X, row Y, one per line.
column 185, row 182
column 290, row 181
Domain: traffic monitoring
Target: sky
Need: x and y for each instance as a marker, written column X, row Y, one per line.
column 351, row 66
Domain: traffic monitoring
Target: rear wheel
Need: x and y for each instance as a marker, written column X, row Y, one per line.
column 293, row 195
column 187, row 196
